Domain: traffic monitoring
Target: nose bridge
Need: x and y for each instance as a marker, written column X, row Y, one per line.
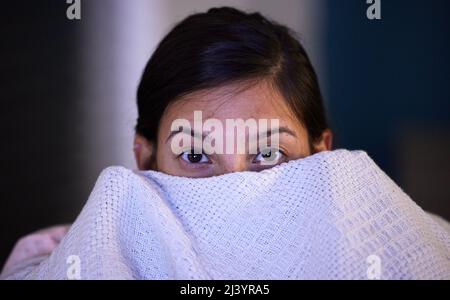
column 230, row 163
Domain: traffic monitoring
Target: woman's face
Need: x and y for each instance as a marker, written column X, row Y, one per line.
column 257, row 102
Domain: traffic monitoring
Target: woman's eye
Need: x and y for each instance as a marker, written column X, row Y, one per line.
column 194, row 158
column 269, row 155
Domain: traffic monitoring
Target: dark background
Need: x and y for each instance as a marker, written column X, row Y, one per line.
column 39, row 155
column 387, row 93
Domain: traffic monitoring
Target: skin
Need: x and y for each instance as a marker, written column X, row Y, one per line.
column 238, row 101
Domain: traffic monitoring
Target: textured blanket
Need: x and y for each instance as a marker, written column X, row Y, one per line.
column 333, row 215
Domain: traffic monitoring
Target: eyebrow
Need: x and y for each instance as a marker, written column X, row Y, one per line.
column 279, row 130
column 190, row 132
column 203, row 135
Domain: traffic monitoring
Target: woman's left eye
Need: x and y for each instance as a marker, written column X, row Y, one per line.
column 269, row 155
column 194, row 158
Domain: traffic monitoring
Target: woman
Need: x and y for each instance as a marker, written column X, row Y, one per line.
column 228, row 65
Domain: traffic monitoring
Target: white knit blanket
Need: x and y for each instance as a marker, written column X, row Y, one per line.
column 333, row 215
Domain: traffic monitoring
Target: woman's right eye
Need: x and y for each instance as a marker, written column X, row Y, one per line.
column 193, row 158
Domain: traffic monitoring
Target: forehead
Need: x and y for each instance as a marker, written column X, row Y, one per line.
column 234, row 101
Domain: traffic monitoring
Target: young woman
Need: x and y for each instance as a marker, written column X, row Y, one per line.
column 228, row 64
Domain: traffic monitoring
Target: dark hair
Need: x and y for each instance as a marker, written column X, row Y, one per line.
column 222, row 46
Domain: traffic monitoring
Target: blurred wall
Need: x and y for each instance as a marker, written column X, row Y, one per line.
column 388, row 91
column 41, row 161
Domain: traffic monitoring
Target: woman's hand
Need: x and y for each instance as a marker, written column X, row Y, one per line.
column 37, row 244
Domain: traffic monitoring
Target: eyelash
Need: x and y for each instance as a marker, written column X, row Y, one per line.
column 271, row 149
column 191, row 152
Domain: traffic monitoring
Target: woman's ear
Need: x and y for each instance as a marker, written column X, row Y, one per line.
column 143, row 152
column 326, row 141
